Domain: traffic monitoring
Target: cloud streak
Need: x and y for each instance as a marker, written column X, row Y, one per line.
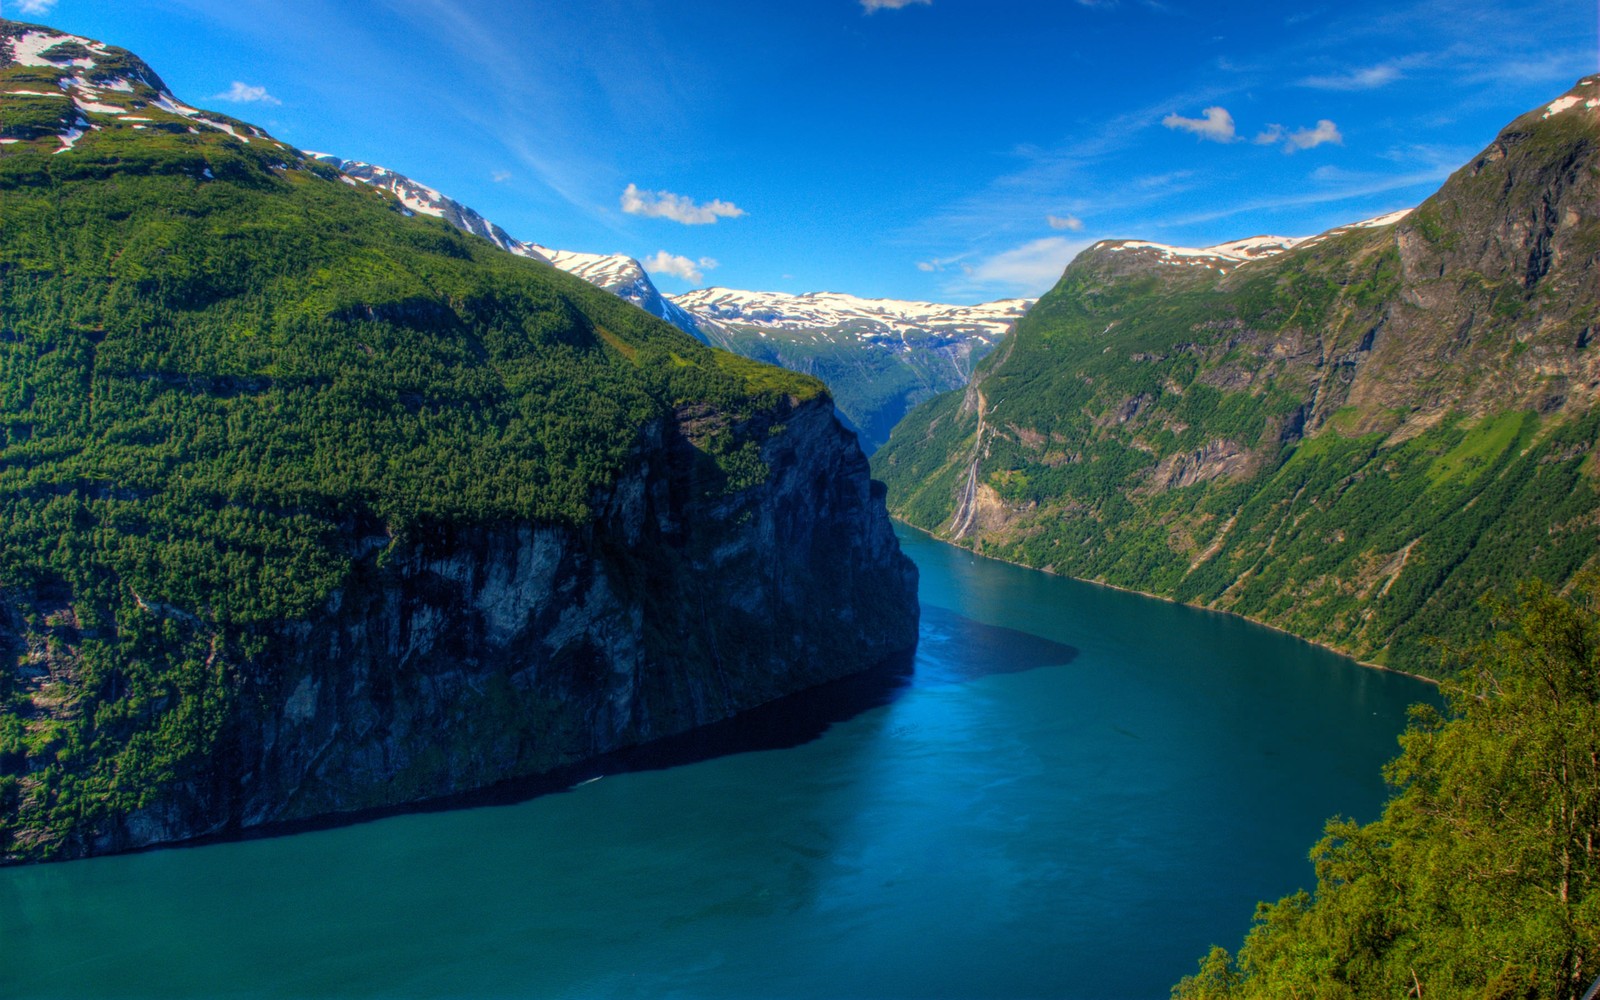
column 666, row 205
column 36, row 8
column 692, row 271
column 873, row 6
column 1032, row 267
column 1068, row 222
column 1370, row 78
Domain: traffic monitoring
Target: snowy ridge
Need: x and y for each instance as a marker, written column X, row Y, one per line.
column 420, row 199
column 1374, row 223
column 1219, row 257
column 1224, row 256
column 106, row 85
column 822, row 313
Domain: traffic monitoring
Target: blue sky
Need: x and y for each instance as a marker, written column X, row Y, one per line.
column 952, row 150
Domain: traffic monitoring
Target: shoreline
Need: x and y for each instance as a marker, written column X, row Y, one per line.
column 1435, row 681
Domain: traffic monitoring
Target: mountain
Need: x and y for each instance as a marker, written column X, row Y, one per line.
column 879, row 357
column 1351, row 437
column 618, row 274
column 311, row 502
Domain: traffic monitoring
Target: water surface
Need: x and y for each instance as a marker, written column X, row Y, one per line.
column 1074, row 793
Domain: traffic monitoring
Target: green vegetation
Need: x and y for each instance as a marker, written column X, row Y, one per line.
column 220, row 371
column 1482, row 879
column 1350, row 440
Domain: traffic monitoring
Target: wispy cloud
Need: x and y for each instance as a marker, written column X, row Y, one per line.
column 500, row 176
column 1032, row 267
column 941, row 263
column 1215, row 125
column 692, row 271
column 1301, row 138
column 37, row 8
column 871, row 6
column 244, row 93
column 666, row 205
column 1068, row 222
column 1370, row 78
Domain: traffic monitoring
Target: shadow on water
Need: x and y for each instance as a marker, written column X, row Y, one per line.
column 952, row 649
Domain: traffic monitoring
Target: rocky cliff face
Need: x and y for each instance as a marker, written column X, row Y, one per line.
column 455, row 658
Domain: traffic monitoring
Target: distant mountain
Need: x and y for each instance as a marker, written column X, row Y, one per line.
column 1350, row 436
column 623, row 276
column 880, row 357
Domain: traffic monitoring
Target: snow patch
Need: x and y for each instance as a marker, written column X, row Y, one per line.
column 1561, row 104
column 99, row 109
column 1382, row 220
column 26, row 48
column 32, row 93
column 71, row 136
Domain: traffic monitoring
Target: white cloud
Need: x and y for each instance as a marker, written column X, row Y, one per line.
column 666, row 205
column 243, row 93
column 500, row 176
column 692, row 271
column 1217, row 125
column 1370, row 78
column 875, row 5
column 1270, row 136
column 1310, row 138
column 1032, row 267
column 35, row 7
column 1070, row 222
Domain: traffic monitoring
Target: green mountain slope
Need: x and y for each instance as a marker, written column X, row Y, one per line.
column 292, row 482
column 1351, row 440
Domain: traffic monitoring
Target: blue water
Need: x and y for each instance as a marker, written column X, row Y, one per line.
column 1074, row 794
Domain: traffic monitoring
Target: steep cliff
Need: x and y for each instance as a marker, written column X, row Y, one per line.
column 1351, row 437
column 311, row 504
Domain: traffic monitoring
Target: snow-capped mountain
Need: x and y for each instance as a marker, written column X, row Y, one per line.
column 833, row 315
column 109, row 88
column 622, row 276
column 879, row 356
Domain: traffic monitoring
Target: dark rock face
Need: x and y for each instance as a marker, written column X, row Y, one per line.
column 468, row 656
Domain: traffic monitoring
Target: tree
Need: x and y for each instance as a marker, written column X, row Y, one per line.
column 1480, row 879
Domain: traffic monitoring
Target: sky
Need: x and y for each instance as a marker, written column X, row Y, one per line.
column 941, row 150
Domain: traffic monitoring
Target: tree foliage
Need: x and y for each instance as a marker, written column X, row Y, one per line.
column 1480, row 880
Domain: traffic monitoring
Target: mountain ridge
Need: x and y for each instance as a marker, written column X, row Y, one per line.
column 1350, row 439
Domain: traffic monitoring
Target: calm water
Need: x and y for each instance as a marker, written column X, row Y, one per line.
column 1074, row 795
